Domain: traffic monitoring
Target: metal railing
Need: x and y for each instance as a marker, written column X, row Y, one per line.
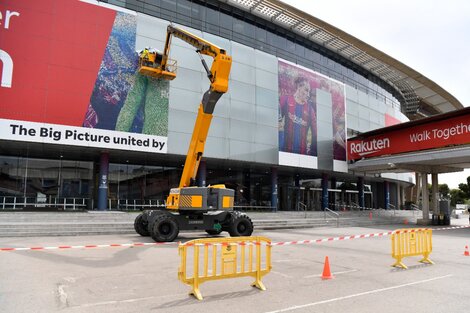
column 341, row 206
column 73, row 204
column 331, row 213
column 260, row 208
column 134, row 204
column 302, row 207
column 17, row 203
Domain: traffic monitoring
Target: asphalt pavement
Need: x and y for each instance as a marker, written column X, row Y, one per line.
column 144, row 278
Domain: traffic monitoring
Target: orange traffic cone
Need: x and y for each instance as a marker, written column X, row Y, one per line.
column 405, row 221
column 370, row 215
column 326, row 270
column 466, row 253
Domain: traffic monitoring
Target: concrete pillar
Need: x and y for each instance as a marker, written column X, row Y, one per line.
column 399, row 197
column 297, row 192
column 387, row 195
column 333, row 199
column 324, row 191
column 274, row 188
column 103, row 182
column 202, row 174
column 403, row 195
column 425, row 196
column 417, row 189
column 360, row 189
column 435, row 194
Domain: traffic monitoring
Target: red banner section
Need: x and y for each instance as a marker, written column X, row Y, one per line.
column 51, row 52
column 435, row 134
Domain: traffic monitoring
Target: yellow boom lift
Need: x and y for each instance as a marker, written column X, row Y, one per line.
column 189, row 207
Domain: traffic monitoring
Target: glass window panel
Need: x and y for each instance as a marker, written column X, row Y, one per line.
column 242, row 92
column 267, row 116
column 217, row 147
column 241, row 150
column 181, row 121
column 152, row 7
column 242, row 131
column 280, row 42
column 242, row 72
column 242, row 111
column 198, row 15
column 260, row 34
column 183, row 7
column 168, row 14
column 299, row 50
column 188, row 79
column 270, row 38
column 266, row 79
column 184, row 100
column 219, row 127
column 178, row 142
column 212, row 20
column 364, row 125
column 227, row 22
column 249, row 30
column 242, row 54
column 168, row 5
column 134, row 5
column 266, row 62
column 267, row 98
column 290, row 44
column 266, row 153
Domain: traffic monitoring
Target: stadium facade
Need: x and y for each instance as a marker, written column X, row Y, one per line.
column 78, row 123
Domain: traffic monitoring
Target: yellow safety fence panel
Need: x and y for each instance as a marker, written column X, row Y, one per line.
column 221, row 258
column 411, row 242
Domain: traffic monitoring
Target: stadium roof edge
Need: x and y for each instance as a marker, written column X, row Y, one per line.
column 418, row 91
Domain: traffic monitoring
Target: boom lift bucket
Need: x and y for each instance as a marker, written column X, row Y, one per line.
column 150, row 65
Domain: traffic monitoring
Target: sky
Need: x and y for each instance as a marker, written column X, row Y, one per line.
column 432, row 37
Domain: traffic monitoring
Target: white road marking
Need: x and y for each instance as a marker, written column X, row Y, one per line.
column 292, row 308
column 281, row 274
column 335, row 273
column 86, row 305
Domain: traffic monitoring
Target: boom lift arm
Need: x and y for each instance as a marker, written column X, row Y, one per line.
column 192, row 208
column 218, row 76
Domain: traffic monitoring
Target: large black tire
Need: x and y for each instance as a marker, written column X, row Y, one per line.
column 213, row 232
column 240, row 225
column 165, row 228
column 140, row 226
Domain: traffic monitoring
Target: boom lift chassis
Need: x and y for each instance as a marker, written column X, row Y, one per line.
column 188, row 207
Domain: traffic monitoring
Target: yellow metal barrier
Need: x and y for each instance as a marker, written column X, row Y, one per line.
column 411, row 242
column 224, row 258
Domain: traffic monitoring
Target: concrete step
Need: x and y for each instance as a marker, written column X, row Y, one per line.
column 15, row 224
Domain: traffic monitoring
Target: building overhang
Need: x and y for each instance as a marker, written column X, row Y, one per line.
column 444, row 160
column 421, row 96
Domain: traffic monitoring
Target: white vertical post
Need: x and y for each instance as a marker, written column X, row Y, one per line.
column 424, row 187
column 435, row 194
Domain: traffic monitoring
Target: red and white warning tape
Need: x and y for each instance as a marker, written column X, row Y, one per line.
column 137, row 244
column 286, row 243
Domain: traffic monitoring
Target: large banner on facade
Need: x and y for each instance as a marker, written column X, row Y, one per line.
column 311, row 117
column 70, row 67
